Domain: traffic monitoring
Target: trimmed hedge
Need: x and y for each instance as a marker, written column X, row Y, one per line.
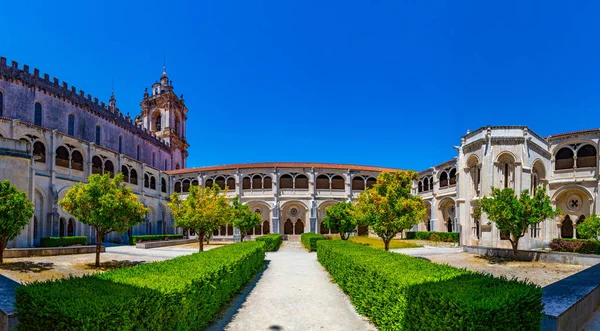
column 272, row 241
column 399, row 292
column 309, row 240
column 63, row 241
column 433, row 236
column 582, row 246
column 185, row 293
column 153, row 237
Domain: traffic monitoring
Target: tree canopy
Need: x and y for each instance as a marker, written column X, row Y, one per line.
column 341, row 217
column 590, row 228
column 243, row 218
column 106, row 204
column 388, row 207
column 16, row 211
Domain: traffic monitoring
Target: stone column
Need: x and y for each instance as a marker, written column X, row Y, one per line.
column 313, row 203
column 275, row 211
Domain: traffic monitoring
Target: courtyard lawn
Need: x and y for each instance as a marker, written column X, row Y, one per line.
column 376, row 242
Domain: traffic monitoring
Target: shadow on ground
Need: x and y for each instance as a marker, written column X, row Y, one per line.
column 493, row 259
column 230, row 311
column 114, row 264
column 27, row 266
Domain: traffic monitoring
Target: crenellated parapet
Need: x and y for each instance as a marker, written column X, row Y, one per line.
column 63, row 91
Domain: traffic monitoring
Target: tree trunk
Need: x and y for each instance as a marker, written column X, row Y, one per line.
column 201, row 241
column 3, row 245
column 241, row 236
column 99, row 238
column 386, row 243
column 515, row 245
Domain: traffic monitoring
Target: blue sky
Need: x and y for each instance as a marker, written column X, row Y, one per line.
column 388, row 83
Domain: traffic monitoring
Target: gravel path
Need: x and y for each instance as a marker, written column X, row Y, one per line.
column 294, row 292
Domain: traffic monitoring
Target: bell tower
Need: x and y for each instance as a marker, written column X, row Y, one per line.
column 165, row 115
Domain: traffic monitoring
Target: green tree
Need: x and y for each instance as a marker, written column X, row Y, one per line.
column 590, row 228
column 204, row 210
column 388, row 207
column 515, row 215
column 106, row 204
column 340, row 217
column 16, row 211
column 243, row 218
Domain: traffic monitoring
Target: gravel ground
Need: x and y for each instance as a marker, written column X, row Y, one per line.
column 294, row 292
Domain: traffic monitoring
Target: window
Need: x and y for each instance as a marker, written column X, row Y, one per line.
column 186, row 186
column 138, row 152
column 420, row 187
column 267, row 182
column 165, row 168
column 322, row 182
column 358, row 184
column 120, row 144
column 444, row 179
column 370, row 182
column 153, row 159
column 125, row 172
column 178, row 187
column 163, row 185
column 71, row 125
column 301, row 182
column 231, row 183
column 62, row 157
column 257, row 182
column 37, row 116
column 152, row 183
column 564, row 159
column 286, row 181
column 505, row 175
column 586, row 157
column 39, row 150
column 338, row 183
column 1, row 104
column 220, row 181
column 133, row 178
column 109, row 168
column 77, row 161
column 96, row 165
column 146, row 181
column 453, row 177
column 98, row 134
column 246, row 183
column 157, row 123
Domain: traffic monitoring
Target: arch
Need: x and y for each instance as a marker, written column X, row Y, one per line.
column 564, row 159
column 125, row 172
column 322, row 182
column 152, row 183
column 133, row 177
column 267, row 182
column 301, row 182
column 62, row 157
column 572, row 187
column 586, row 156
column 209, row 183
column 157, row 121
column 288, row 227
column 220, row 181
column 178, row 187
column 185, row 186
column 338, row 183
column 71, row 125
column 96, row 165
column 246, row 183
column 266, row 227
column 453, row 176
column 358, row 184
column 298, row 203
column 298, row 227
column 425, row 183
column 71, row 227
column 163, row 185
column 506, row 157
column 146, row 181
column 109, row 168
column 195, row 183
column 229, row 230
column 472, row 161
column 37, row 114
column 370, row 182
column 420, row 187
column 76, row 160
column 257, row 182
column 39, row 150
column 177, row 129
column 566, row 228
column 62, row 227
column 443, row 179
column 286, row 181
column 231, row 183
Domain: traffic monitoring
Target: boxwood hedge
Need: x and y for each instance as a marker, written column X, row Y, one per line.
column 151, row 237
column 184, row 293
column 433, row 236
column 399, row 292
column 309, row 240
column 582, row 246
column 272, row 241
column 63, row 241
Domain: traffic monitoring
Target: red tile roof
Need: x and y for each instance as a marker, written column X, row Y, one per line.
column 573, row 133
column 280, row 165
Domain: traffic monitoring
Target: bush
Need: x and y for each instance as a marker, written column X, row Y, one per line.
column 185, row 293
column 433, row 236
column 272, row 241
column 582, row 246
column 153, row 237
column 63, row 241
column 309, row 240
column 399, row 292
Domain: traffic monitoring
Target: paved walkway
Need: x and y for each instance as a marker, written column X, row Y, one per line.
column 294, row 292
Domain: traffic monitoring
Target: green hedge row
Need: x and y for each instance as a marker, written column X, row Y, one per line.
column 272, row 241
column 433, row 236
column 309, row 240
column 582, row 246
column 399, row 292
column 63, row 241
column 185, row 293
column 152, row 237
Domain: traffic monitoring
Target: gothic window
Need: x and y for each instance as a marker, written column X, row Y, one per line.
column 257, row 182
column 370, row 182
column 420, row 187
column 358, row 184
column 1, row 104
column 505, row 175
column 444, row 179
column 62, row 157
column 125, row 172
column 152, row 183
column 209, row 183
column 61, row 229
column 231, row 183
column 322, row 182
column 246, row 183
column 37, row 116
column 77, row 161
column 157, row 123
column 120, row 144
column 220, row 182
column 146, row 181
column 564, row 159
column 586, row 157
column 267, row 182
column 566, row 229
column 71, row 125
column 301, row 182
column 195, row 183
column 453, row 177
column 133, row 177
column 286, row 181
column 39, row 150
column 163, row 185
column 96, row 165
column 109, row 168
column 337, row 183
column 186, row 186
column 178, row 187
column 71, row 228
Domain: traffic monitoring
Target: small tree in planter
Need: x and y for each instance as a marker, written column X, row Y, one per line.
column 16, row 211
column 340, row 217
column 590, row 228
column 388, row 207
column 203, row 210
column 243, row 217
column 515, row 215
column 105, row 204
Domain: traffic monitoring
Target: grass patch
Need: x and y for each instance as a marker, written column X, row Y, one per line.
column 378, row 243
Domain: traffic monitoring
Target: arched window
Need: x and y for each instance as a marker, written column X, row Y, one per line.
column 125, row 172
column 358, row 184
column 178, row 187
column 176, row 129
column 566, row 229
column 256, row 182
column 166, row 165
column 444, row 179
column 77, row 161
column 109, row 168
column 425, row 184
column 39, row 150
column 220, row 182
column 453, row 177
column 420, row 187
column 586, row 157
column 209, row 183
column 163, row 185
column 506, row 171
column 153, row 159
column 564, row 159
column 338, row 183
column 139, row 151
column 61, row 229
column 158, row 123
column 1, row 104
column 186, row 186
column 96, row 165
column 231, row 183
column 146, row 181
column 322, row 182
column 246, row 183
column 301, row 182
column 71, row 125
column 370, row 182
column 286, row 181
column 195, row 183
column 133, row 177
column 62, row 157
column 37, row 116
column 431, row 183
column 71, row 228
column 267, row 182
column 120, row 144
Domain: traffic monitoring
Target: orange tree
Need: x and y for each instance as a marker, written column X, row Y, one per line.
column 203, row 210
column 15, row 212
column 388, row 207
column 340, row 217
column 243, row 218
column 590, row 228
column 106, row 204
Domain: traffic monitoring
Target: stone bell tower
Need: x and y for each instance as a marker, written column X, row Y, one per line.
column 165, row 115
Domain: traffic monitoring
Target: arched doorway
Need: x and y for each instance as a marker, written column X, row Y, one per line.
column 61, row 230
column 288, row 227
column 266, row 228
column 71, row 228
column 293, row 212
column 299, row 227
column 566, row 229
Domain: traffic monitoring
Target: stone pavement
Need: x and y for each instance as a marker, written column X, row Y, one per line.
column 294, row 292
